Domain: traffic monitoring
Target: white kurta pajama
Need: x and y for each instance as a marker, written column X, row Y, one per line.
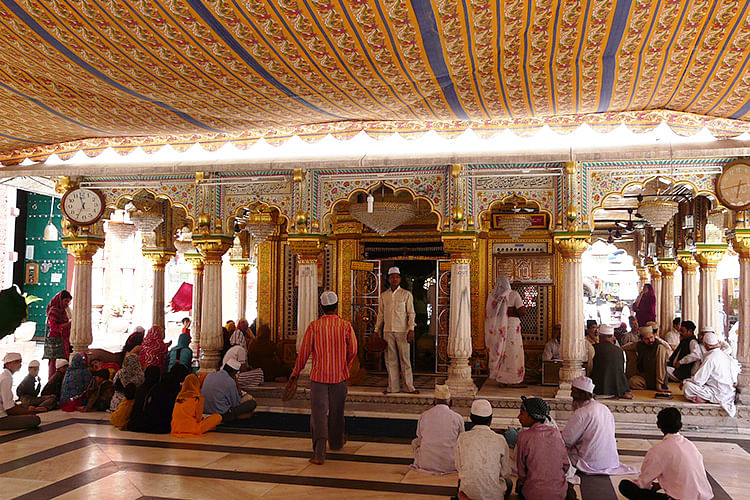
column 396, row 315
column 590, row 439
column 435, row 445
column 714, row 381
column 502, row 335
column 483, row 463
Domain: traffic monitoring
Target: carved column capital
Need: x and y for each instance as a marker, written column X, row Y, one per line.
column 643, row 273
column 242, row 266
column 708, row 255
column 195, row 260
column 653, row 270
column 667, row 267
column 687, row 262
column 212, row 246
column 158, row 257
column 740, row 239
column 83, row 248
column 307, row 247
column 460, row 246
column 572, row 244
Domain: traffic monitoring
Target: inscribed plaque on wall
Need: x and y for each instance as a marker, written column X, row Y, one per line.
column 527, row 268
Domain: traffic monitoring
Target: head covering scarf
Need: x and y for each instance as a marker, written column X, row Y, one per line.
column 537, row 408
column 160, row 404
column 57, row 314
column 153, row 350
column 180, row 371
column 496, row 317
column 135, row 338
column 191, row 388
column 646, row 309
column 150, row 379
column 77, row 378
column 130, row 373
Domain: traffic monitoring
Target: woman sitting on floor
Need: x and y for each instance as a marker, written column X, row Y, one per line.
column 130, row 373
column 121, row 415
column 187, row 416
column 154, row 349
column 75, row 383
column 137, row 420
column 157, row 411
column 99, row 392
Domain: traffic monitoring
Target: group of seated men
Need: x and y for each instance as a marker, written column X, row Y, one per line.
column 703, row 365
column 544, row 459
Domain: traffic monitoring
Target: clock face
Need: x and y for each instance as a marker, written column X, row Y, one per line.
column 733, row 186
column 82, row 206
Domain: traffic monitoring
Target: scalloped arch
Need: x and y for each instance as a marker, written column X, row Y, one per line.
column 283, row 219
column 500, row 201
column 172, row 203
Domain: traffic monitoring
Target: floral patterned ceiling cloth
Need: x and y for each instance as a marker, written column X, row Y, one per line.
column 83, row 75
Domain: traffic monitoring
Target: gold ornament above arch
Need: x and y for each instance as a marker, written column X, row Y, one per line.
column 514, row 203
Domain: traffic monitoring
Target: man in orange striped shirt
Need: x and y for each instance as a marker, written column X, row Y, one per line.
column 331, row 341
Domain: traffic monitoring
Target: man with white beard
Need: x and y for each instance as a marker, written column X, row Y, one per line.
column 716, row 379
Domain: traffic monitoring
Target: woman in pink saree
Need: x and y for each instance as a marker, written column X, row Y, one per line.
column 502, row 334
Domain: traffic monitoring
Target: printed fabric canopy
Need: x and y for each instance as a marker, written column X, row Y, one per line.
column 82, row 74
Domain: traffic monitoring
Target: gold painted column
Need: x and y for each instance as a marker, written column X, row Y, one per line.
column 653, row 271
column 195, row 260
column 83, row 249
column 571, row 245
column 643, row 276
column 689, row 285
column 708, row 256
column 348, row 233
column 741, row 244
column 211, row 247
column 667, row 267
column 462, row 249
column 242, row 267
column 159, row 260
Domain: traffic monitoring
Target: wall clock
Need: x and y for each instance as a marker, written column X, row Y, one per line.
column 82, row 206
column 733, row 185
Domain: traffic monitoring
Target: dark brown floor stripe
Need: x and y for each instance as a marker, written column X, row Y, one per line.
column 70, row 483
column 38, row 456
column 36, row 430
column 246, row 450
column 597, row 488
column 356, row 484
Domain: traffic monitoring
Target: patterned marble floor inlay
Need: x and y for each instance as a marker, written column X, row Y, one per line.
column 81, row 456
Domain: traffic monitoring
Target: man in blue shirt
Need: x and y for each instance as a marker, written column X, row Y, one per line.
column 222, row 395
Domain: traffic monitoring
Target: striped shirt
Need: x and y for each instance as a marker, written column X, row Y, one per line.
column 333, row 345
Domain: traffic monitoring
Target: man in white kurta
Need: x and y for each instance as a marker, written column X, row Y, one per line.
column 698, row 350
column 396, row 317
column 482, row 457
column 715, row 380
column 552, row 347
column 590, row 434
column 437, row 433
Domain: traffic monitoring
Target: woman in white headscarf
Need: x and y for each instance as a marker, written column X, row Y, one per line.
column 502, row 334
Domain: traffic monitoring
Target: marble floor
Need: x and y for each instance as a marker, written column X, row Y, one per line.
column 80, row 455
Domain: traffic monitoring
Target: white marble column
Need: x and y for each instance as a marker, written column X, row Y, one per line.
column 196, row 261
column 211, row 247
column 689, row 286
column 667, row 267
column 653, row 270
column 459, row 332
column 241, row 266
column 572, row 341
column 741, row 244
column 83, row 248
column 159, row 260
column 708, row 256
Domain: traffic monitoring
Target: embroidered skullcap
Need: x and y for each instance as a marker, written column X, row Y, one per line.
column 236, row 353
column 328, row 298
column 645, row 330
column 34, row 364
column 59, row 363
column 481, row 408
column 606, row 331
column 710, row 338
column 442, row 392
column 537, row 408
column 11, row 357
column 234, row 364
column 584, row 383
column 394, row 270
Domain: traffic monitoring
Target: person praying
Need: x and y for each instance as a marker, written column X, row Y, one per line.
column 181, row 353
column 53, row 387
column 438, row 431
column 130, row 373
column 154, row 350
column 30, row 388
column 187, row 415
column 681, row 363
column 13, row 416
column 502, row 334
column 608, row 366
column 590, row 433
column 75, row 384
column 651, row 355
column 552, row 347
column 716, row 379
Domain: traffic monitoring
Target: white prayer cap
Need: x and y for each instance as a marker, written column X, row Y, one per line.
column 606, row 330
column 11, row 357
column 645, row 330
column 394, row 270
column 710, row 338
column 235, row 353
column 59, row 363
column 442, row 392
column 34, row 364
column 234, row 364
column 707, row 329
column 328, row 298
column 584, row 383
column 481, row 408
column 653, row 324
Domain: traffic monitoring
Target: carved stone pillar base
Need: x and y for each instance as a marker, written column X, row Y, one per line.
column 459, row 380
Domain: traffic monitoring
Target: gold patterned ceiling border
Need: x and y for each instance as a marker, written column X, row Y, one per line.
column 416, row 198
column 682, row 124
